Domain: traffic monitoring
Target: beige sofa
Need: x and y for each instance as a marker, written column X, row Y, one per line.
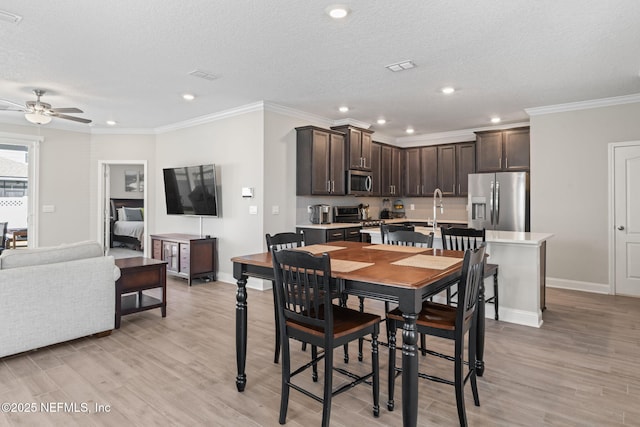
column 55, row 294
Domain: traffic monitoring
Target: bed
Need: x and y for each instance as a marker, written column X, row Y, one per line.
column 127, row 222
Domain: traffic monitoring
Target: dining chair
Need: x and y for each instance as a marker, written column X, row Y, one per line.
column 3, row 236
column 460, row 239
column 448, row 322
column 287, row 240
column 386, row 228
column 410, row 238
column 304, row 295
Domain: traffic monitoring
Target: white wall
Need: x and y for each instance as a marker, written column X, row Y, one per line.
column 236, row 146
column 569, row 189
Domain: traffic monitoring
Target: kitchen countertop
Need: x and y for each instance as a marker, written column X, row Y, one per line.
column 492, row 236
column 331, row 226
column 335, row 225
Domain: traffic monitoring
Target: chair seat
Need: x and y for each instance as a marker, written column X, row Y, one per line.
column 432, row 315
column 345, row 322
column 490, row 270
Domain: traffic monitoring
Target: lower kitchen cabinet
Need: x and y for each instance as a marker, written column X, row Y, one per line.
column 313, row 236
column 188, row 256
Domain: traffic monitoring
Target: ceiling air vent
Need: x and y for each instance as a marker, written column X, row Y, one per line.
column 401, row 66
column 203, row 75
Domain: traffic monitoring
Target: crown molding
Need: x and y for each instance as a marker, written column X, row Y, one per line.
column 243, row 109
column 463, row 135
column 351, row 122
column 123, row 131
column 583, row 105
column 292, row 112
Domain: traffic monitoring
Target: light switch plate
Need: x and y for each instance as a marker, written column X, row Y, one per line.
column 48, row 208
column 253, row 210
column 275, row 210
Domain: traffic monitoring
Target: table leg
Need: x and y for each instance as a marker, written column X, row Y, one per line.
column 241, row 332
column 409, row 371
column 480, row 332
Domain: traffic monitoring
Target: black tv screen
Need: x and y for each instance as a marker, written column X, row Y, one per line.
column 191, row 190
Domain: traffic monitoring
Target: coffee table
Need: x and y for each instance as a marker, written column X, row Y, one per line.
column 137, row 275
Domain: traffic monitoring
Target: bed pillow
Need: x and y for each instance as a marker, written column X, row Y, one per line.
column 133, row 214
column 121, row 216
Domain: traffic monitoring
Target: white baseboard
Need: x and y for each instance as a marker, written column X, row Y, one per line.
column 520, row 317
column 576, row 285
column 252, row 282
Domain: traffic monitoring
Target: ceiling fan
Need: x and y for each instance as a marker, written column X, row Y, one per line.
column 41, row 113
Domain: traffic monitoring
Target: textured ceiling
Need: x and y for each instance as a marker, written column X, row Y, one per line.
column 129, row 60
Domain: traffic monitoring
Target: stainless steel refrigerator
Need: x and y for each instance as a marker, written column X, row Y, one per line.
column 499, row 201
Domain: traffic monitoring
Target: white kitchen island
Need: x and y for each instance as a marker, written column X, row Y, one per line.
column 521, row 258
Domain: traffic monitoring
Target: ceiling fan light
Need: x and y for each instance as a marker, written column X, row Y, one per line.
column 37, row 118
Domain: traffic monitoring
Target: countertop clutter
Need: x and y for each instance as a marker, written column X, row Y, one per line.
column 335, row 225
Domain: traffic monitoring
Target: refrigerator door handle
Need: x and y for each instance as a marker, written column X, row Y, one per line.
column 497, row 202
column 491, row 203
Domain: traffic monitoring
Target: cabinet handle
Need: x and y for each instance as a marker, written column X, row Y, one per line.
column 364, row 161
column 459, row 191
column 506, row 163
column 328, row 186
column 361, row 161
column 333, row 186
column 418, row 189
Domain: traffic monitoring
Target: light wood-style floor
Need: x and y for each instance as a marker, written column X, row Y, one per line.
column 582, row 368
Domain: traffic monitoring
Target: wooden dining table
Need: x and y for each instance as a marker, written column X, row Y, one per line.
column 400, row 274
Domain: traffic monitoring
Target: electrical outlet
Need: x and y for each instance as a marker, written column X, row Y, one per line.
column 275, row 210
column 412, row 207
column 253, row 210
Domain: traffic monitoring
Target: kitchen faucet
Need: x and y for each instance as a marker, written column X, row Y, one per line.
column 435, row 206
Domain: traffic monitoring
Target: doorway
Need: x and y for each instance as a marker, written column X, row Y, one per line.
column 123, row 193
column 624, row 218
column 18, row 188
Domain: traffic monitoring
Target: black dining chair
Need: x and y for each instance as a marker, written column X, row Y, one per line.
column 410, row 238
column 451, row 323
column 304, row 293
column 460, row 239
column 386, row 228
column 3, row 236
column 287, row 240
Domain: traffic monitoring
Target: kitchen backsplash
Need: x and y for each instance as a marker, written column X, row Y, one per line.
column 455, row 208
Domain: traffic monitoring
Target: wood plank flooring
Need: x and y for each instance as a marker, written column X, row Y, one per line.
column 580, row 369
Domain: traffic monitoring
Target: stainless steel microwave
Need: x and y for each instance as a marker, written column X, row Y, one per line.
column 359, row 182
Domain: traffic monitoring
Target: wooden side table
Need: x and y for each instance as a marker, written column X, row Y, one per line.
column 136, row 275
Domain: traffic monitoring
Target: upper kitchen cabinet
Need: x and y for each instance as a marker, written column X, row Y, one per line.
column 376, row 171
column 358, row 147
column 390, row 170
column 502, row 150
column 465, row 164
column 421, row 171
column 320, row 162
column 455, row 163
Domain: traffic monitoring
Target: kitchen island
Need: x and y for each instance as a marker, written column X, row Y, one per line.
column 522, row 268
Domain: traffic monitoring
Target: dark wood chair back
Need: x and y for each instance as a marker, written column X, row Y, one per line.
column 386, row 228
column 300, row 278
column 469, row 285
column 461, row 239
column 284, row 240
column 410, row 238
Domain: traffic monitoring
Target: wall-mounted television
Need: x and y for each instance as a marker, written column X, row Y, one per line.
column 191, row 190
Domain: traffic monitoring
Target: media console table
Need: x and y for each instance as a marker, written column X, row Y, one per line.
column 187, row 255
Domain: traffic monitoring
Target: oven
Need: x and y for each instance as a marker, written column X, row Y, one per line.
column 359, row 182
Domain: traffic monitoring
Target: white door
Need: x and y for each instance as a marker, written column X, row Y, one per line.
column 627, row 219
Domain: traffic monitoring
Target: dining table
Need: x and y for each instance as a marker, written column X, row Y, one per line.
column 404, row 275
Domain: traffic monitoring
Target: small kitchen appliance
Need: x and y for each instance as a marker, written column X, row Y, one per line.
column 319, row 214
column 398, row 209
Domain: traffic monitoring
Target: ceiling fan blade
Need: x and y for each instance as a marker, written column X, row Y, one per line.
column 67, row 110
column 6, row 101
column 75, row 119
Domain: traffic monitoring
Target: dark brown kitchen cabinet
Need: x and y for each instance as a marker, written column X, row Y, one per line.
column 465, row 164
column 447, row 181
column 320, row 162
column 376, row 171
column 314, row 236
column 358, row 145
column 502, row 150
column 390, row 171
column 421, row 171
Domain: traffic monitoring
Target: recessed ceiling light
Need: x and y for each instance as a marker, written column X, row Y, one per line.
column 410, row 130
column 495, row 120
column 343, row 109
column 381, row 121
column 337, row 11
column 111, row 122
column 401, row 66
column 188, row 97
column 448, row 90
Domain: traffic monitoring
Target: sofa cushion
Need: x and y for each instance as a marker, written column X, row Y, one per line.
column 50, row 255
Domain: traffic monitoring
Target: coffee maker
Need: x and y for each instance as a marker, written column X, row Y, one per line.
column 319, row 214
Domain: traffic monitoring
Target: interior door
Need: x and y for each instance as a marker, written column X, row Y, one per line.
column 627, row 219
